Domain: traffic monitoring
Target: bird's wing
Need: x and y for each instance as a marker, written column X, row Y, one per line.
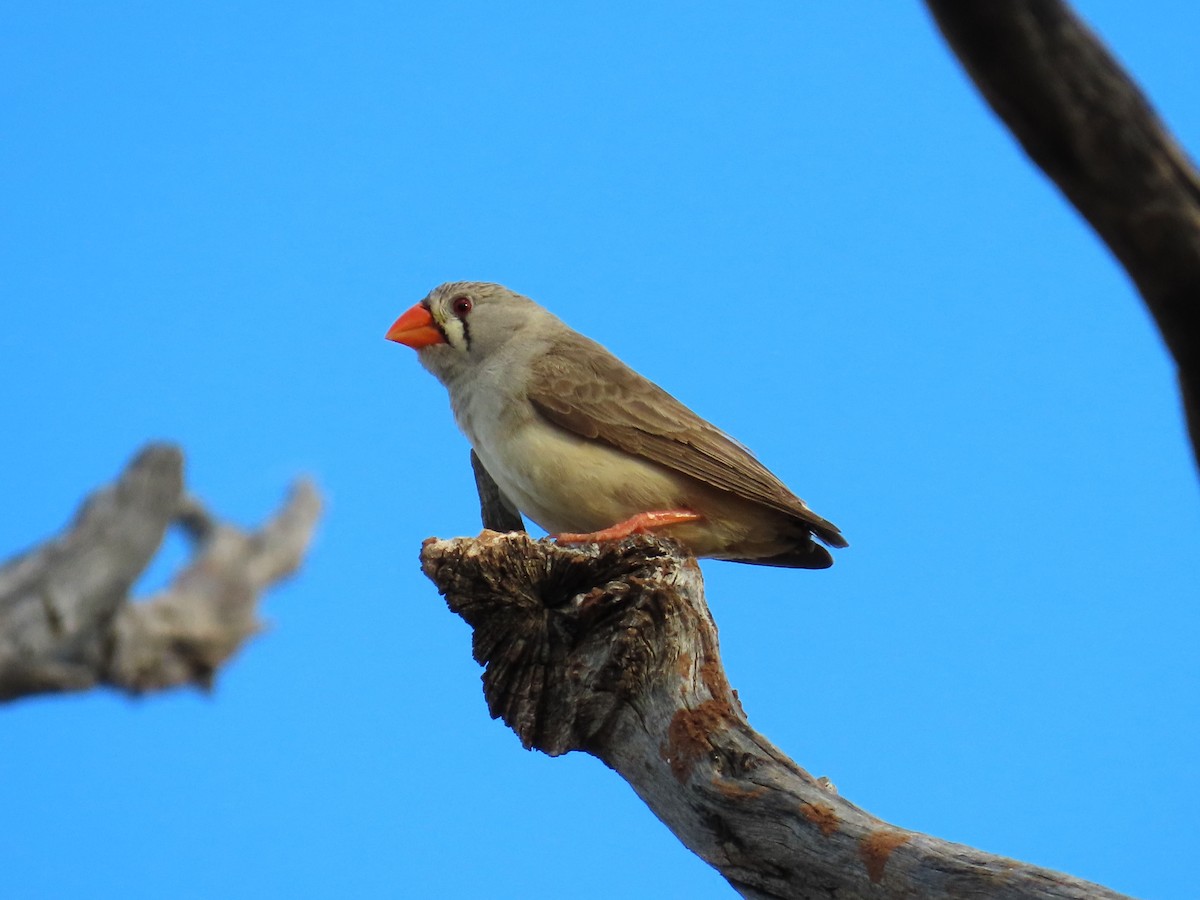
column 583, row 388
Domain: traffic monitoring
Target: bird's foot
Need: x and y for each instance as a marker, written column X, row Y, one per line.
column 642, row 523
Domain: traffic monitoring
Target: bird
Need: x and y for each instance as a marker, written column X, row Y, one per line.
column 590, row 450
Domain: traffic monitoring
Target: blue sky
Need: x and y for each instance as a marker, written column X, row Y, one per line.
column 799, row 218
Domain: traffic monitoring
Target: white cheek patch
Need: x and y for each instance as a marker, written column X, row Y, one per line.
column 456, row 333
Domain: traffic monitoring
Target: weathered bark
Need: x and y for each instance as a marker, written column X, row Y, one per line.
column 610, row 649
column 1084, row 121
column 67, row 622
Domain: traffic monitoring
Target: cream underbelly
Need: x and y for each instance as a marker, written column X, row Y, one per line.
column 567, row 483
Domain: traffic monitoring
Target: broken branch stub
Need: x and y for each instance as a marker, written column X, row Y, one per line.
column 610, row 649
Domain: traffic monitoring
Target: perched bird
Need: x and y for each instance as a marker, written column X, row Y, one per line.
column 589, row 449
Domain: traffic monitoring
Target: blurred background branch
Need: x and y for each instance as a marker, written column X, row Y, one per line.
column 69, row 623
column 1087, row 124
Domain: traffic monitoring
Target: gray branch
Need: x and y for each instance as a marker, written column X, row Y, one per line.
column 67, row 622
column 1083, row 120
column 610, row 649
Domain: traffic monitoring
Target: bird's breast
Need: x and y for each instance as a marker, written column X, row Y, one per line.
column 565, row 482
column 562, row 481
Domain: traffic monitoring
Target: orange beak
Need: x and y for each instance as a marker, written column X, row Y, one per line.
column 415, row 329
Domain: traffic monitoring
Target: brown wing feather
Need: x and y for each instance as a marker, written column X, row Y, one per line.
column 583, row 388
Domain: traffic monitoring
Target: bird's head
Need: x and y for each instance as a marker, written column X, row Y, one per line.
column 461, row 324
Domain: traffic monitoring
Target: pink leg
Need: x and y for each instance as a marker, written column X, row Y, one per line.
column 642, row 523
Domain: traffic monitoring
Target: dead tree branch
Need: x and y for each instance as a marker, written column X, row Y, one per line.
column 1083, row 120
column 496, row 515
column 610, row 649
column 67, row 622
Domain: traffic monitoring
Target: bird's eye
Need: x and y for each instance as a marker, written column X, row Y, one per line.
column 461, row 306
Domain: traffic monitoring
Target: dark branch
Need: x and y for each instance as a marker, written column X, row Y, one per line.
column 497, row 515
column 611, row 650
column 67, row 622
column 1084, row 121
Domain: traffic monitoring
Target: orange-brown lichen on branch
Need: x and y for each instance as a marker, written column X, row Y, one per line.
column 820, row 814
column 876, row 848
column 688, row 735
